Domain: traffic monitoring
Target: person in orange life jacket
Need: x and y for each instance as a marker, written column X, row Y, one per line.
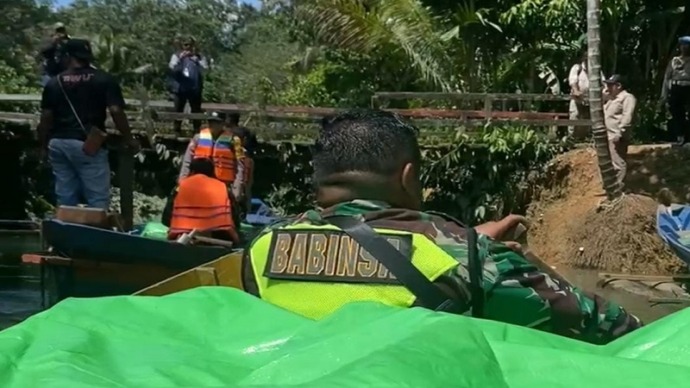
column 244, row 182
column 201, row 202
column 218, row 144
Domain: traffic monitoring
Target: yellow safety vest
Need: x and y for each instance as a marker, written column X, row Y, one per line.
column 291, row 267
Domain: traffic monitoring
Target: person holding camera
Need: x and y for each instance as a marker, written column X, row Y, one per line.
column 187, row 80
column 52, row 65
column 72, row 127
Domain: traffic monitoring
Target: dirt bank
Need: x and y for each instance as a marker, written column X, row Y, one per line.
column 570, row 229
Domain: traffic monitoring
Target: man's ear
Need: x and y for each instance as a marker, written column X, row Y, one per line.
column 409, row 180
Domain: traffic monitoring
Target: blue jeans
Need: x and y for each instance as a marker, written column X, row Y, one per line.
column 78, row 175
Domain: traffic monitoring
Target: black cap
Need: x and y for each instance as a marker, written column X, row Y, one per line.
column 215, row 116
column 78, row 48
column 614, row 79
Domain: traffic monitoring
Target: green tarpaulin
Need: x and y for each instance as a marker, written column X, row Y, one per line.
column 221, row 337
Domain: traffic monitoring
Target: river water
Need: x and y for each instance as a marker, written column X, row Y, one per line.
column 20, row 294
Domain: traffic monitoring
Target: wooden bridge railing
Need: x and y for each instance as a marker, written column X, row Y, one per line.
column 148, row 113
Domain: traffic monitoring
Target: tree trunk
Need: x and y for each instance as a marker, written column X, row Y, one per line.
column 601, row 141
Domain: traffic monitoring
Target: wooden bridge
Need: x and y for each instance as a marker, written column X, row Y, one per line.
column 145, row 117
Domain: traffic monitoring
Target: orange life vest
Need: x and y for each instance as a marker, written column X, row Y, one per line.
column 201, row 203
column 221, row 152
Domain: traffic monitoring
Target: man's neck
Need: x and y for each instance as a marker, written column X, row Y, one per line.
column 345, row 187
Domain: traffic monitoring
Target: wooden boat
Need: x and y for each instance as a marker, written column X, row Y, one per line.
column 86, row 261
column 225, row 271
column 673, row 225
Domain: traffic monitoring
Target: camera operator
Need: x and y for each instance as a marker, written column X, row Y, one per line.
column 52, row 65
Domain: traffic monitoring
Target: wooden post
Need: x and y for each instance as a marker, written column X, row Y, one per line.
column 126, row 172
column 488, row 107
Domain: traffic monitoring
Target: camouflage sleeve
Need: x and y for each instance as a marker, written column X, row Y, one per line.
column 517, row 292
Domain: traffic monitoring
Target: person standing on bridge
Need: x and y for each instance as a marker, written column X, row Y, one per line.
column 72, row 127
column 619, row 111
column 676, row 92
column 578, row 80
column 187, row 80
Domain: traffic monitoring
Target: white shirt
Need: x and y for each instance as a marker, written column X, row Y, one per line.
column 578, row 76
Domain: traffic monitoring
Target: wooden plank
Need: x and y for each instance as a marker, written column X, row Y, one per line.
column 133, row 274
column 428, row 117
column 644, row 278
column 126, row 174
column 227, row 272
column 470, row 96
column 670, row 300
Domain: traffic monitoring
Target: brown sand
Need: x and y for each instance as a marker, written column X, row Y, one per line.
column 570, row 228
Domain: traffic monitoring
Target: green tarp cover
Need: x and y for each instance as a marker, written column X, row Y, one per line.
column 220, row 337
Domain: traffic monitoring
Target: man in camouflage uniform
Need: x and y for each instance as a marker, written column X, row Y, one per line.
column 366, row 168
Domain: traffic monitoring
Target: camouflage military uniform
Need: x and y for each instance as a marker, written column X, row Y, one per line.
column 516, row 291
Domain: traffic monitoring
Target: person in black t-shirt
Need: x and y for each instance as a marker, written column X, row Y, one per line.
column 74, row 104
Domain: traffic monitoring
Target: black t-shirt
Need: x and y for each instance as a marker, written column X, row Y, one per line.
column 91, row 91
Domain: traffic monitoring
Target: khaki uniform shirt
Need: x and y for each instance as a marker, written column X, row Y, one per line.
column 618, row 114
column 678, row 70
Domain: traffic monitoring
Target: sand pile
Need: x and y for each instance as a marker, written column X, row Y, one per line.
column 569, row 228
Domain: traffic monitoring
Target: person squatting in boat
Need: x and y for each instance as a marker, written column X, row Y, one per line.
column 202, row 202
column 369, row 240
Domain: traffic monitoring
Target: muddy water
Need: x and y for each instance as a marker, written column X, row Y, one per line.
column 19, row 286
column 636, row 302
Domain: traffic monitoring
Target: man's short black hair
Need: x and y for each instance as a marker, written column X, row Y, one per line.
column 371, row 141
column 202, row 166
column 234, row 118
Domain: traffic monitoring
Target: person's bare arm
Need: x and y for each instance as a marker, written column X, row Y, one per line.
column 44, row 126
column 187, row 159
column 203, row 62
column 116, row 106
column 47, row 118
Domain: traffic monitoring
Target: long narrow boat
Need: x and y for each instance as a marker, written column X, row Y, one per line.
column 86, row 261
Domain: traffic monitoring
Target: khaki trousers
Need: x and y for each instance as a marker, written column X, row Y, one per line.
column 619, row 156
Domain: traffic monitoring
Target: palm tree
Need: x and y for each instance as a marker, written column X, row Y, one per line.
column 601, row 142
column 373, row 25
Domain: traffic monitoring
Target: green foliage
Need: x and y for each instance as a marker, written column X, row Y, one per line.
column 480, row 178
column 340, row 52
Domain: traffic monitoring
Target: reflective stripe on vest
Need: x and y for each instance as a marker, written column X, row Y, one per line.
column 221, row 152
column 201, row 203
column 316, row 299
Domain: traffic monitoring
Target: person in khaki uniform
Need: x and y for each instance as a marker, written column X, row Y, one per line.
column 676, row 92
column 619, row 110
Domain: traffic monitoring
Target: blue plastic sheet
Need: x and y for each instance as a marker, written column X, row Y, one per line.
column 218, row 336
